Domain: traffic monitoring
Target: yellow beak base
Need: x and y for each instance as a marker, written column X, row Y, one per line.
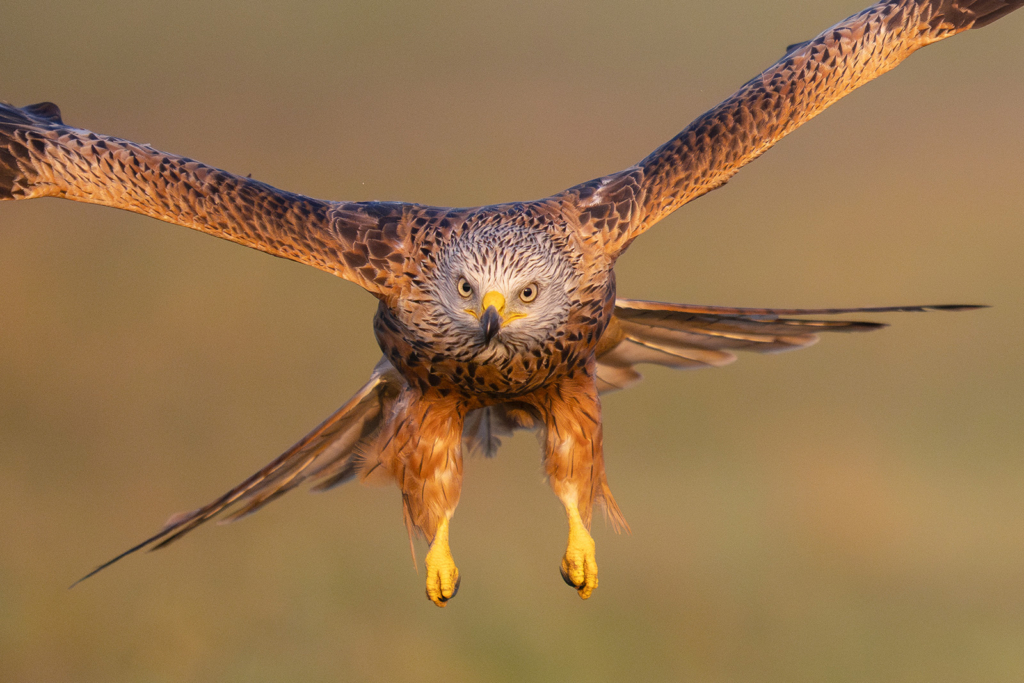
column 493, row 299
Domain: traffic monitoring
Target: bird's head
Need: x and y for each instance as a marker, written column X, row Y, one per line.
column 501, row 291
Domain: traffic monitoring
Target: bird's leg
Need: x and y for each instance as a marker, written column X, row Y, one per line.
column 574, row 463
column 442, row 575
column 423, row 452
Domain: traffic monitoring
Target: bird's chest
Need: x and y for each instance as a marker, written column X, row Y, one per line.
column 496, row 372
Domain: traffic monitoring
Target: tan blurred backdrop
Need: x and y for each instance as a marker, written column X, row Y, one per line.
column 852, row 512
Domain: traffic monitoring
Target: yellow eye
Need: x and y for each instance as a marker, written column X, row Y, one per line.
column 465, row 289
column 528, row 294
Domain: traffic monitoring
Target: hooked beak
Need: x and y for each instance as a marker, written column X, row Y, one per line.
column 492, row 315
column 493, row 305
column 490, row 321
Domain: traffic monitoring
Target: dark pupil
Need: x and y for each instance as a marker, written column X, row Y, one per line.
column 465, row 287
column 528, row 292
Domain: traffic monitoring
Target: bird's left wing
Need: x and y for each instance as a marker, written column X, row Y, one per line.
column 40, row 156
column 683, row 336
column 809, row 77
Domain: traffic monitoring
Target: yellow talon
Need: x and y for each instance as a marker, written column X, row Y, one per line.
column 579, row 565
column 442, row 575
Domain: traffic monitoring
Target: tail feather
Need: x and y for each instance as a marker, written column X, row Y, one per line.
column 484, row 428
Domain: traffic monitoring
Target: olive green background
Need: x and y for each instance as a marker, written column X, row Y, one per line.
column 852, row 512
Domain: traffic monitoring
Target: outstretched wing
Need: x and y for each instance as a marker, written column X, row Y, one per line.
column 681, row 336
column 40, row 156
column 329, row 455
column 809, row 78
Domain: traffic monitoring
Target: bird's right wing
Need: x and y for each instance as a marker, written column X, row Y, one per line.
column 367, row 243
column 810, row 77
column 340, row 448
column 331, row 454
column 683, row 337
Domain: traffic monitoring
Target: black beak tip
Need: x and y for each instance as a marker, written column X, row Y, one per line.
column 491, row 323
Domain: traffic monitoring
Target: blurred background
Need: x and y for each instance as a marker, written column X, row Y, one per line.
column 852, row 512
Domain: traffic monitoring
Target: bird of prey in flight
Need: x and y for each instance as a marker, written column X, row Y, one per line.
column 492, row 318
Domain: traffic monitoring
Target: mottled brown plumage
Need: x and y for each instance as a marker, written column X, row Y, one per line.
column 492, row 318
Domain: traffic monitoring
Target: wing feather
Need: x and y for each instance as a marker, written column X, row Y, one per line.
column 810, row 77
column 40, row 156
column 327, row 456
column 685, row 336
column 641, row 347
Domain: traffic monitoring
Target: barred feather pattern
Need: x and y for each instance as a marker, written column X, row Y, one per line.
column 450, row 383
column 809, row 78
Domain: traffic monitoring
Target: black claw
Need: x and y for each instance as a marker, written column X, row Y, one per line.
column 442, row 598
column 565, row 577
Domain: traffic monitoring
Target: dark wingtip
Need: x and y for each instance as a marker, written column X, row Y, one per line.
column 957, row 307
column 12, row 148
column 123, row 555
column 9, row 172
column 859, row 326
column 795, row 46
column 41, row 113
column 45, row 110
column 175, row 527
column 988, row 11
